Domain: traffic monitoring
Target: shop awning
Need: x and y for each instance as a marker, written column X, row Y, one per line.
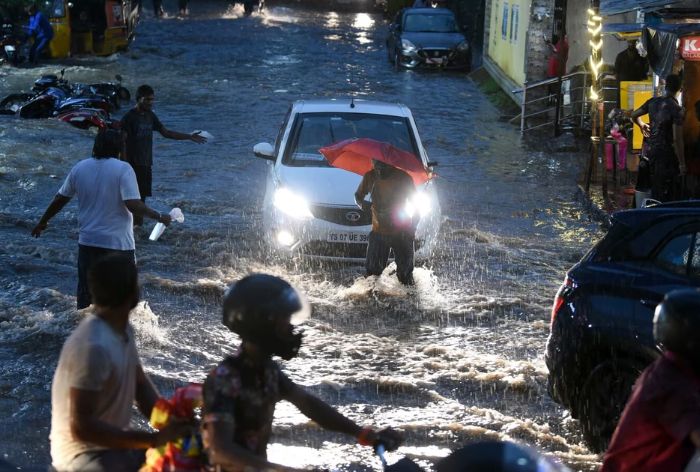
column 622, row 28
column 614, row 7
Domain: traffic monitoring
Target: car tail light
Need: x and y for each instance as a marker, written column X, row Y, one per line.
column 560, row 298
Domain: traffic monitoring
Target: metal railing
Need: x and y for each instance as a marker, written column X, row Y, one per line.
column 561, row 102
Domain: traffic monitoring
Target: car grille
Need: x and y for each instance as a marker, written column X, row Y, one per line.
column 342, row 215
column 325, row 249
column 433, row 52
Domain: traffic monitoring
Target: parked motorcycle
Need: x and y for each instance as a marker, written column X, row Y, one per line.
column 53, row 95
column 10, row 46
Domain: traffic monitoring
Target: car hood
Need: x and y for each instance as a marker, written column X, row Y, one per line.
column 434, row 40
column 320, row 185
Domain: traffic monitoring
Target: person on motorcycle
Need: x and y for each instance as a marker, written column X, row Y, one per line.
column 240, row 394
column 660, row 426
column 41, row 29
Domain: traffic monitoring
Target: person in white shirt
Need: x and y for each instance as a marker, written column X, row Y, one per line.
column 98, row 379
column 108, row 195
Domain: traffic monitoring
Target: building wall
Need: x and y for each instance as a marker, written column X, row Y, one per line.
column 508, row 36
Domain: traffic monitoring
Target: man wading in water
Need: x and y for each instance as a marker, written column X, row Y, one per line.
column 138, row 125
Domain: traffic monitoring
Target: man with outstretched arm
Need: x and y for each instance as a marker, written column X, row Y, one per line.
column 107, row 197
column 137, row 127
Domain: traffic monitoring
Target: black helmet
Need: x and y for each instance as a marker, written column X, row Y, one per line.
column 497, row 456
column 677, row 323
column 256, row 308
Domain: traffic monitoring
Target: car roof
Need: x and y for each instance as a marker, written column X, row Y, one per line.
column 348, row 105
column 644, row 216
column 428, row 10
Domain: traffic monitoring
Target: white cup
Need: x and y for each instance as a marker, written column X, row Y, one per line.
column 157, row 231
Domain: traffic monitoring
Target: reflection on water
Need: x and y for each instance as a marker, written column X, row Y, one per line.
column 458, row 357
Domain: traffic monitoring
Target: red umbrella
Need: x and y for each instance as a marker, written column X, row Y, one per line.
column 355, row 155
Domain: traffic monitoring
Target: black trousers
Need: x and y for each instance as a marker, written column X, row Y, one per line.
column 378, row 254
column 87, row 255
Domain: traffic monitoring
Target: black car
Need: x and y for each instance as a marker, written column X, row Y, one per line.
column 427, row 37
column 601, row 330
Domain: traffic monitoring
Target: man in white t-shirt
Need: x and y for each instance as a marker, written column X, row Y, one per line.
column 98, row 379
column 108, row 194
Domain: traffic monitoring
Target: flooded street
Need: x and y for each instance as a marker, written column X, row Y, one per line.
column 457, row 358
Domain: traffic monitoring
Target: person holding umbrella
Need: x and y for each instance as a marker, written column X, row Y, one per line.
column 393, row 223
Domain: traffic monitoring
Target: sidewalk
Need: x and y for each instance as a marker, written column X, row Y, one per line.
column 620, row 186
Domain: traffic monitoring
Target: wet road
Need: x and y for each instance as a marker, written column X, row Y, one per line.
column 457, row 358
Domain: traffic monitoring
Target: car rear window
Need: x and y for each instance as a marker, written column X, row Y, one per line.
column 612, row 246
column 313, row 131
column 429, row 23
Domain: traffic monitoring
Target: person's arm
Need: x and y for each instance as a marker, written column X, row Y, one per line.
column 137, row 207
column 86, row 427
column 636, row 118
column 146, row 393
column 362, row 191
column 227, row 455
column 329, row 418
column 59, row 201
column 321, row 412
column 176, row 135
column 679, row 147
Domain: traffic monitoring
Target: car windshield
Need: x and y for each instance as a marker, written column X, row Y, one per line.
column 313, row 131
column 427, row 23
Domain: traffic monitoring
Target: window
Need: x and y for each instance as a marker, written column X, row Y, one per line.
column 313, row 131
column 514, row 19
column 504, row 21
column 695, row 262
column 675, row 254
column 426, row 23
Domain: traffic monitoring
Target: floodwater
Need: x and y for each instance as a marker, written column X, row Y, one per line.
column 455, row 359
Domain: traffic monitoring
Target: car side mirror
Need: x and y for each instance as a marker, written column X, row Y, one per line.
column 264, row 151
column 432, row 163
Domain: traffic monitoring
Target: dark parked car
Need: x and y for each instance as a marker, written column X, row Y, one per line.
column 601, row 329
column 427, row 37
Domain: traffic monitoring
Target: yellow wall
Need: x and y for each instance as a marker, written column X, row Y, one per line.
column 508, row 51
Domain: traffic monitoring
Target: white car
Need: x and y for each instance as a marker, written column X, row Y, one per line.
column 309, row 207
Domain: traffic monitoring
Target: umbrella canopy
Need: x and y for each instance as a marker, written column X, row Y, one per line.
column 355, row 155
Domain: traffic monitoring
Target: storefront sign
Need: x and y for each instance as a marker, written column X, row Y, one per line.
column 690, row 48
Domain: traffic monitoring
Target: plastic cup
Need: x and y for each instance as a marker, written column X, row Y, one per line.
column 157, row 231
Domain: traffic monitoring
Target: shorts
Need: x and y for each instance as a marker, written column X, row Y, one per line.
column 144, row 178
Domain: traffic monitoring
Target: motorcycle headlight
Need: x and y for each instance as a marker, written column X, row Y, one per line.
column 407, row 46
column 420, row 203
column 463, row 46
column 292, row 204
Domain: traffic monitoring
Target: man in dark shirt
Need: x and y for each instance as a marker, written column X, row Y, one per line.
column 41, row 29
column 392, row 226
column 664, row 136
column 137, row 127
column 660, row 427
column 629, row 65
column 240, row 394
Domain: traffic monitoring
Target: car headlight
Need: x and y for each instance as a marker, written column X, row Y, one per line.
column 292, row 204
column 407, row 46
column 463, row 46
column 420, row 203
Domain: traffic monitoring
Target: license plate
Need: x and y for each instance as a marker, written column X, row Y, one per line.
column 347, row 237
column 434, row 60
